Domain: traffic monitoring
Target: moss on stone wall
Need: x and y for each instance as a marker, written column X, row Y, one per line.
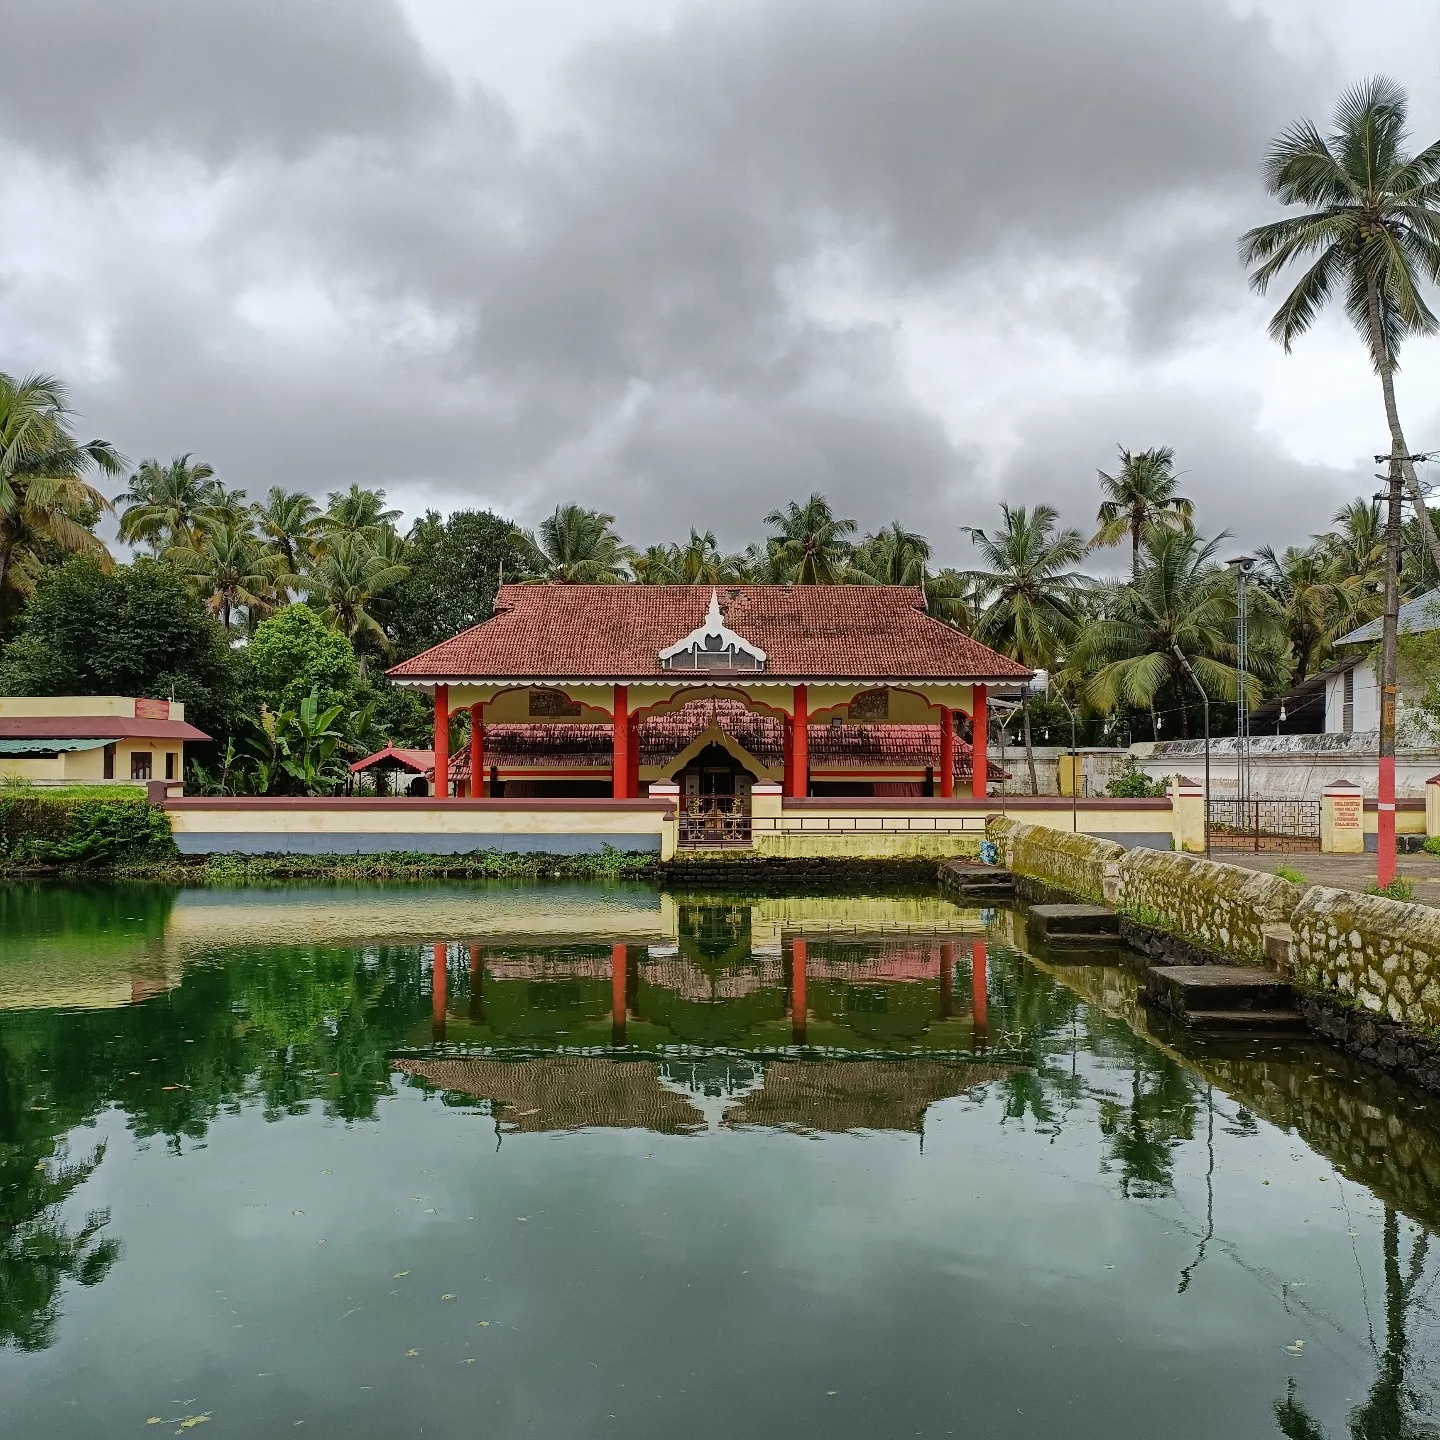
column 1220, row 907
column 1382, row 956
column 1073, row 863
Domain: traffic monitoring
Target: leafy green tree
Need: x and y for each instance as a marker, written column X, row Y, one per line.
column 229, row 569
column 455, row 568
column 352, row 513
column 163, row 504
column 892, row 556
column 292, row 654
column 576, row 546
column 699, row 561
column 1182, row 600
column 347, row 581
column 1316, row 604
column 1142, row 496
column 45, row 499
column 288, row 527
column 1030, row 591
column 127, row 630
column 1370, row 229
column 807, row 544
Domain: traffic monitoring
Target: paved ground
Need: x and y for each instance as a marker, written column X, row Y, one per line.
column 1346, row 872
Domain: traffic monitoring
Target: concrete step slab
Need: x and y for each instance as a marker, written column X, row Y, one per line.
column 1188, row 989
column 1057, row 922
column 1247, row 1022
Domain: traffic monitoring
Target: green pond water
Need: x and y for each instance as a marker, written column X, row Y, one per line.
column 497, row 1160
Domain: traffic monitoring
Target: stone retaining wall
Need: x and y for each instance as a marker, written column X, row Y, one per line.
column 1381, row 956
column 1365, row 953
column 1219, row 907
column 1077, row 864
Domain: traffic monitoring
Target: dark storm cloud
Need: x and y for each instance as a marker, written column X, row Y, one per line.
column 80, row 79
column 621, row 311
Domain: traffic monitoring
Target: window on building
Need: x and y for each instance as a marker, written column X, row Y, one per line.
column 169, row 764
column 109, row 771
column 140, row 765
column 1347, row 708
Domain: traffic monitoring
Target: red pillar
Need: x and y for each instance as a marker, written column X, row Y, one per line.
column 799, row 1005
column 439, row 977
column 979, row 735
column 1385, row 823
column 477, row 985
column 979, row 991
column 477, row 751
column 947, row 753
column 619, row 961
column 800, row 745
column 620, row 757
column 442, row 741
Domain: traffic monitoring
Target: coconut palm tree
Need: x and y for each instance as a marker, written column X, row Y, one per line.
column 1317, row 603
column 229, row 569
column 1140, row 497
column 808, row 546
column 1030, row 591
column 1370, row 229
column 1182, row 598
column 163, row 504
column 699, row 561
column 45, row 501
column 352, row 512
column 950, row 596
column 287, row 521
column 576, row 546
column 347, row 581
column 892, row 556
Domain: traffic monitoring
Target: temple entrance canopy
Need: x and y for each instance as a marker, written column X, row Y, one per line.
column 824, row 690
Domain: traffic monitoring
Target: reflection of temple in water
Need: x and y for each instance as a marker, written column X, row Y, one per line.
column 778, row 981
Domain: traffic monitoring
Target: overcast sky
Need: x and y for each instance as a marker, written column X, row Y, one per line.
column 686, row 259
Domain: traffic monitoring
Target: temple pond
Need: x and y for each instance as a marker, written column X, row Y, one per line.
column 490, row 1160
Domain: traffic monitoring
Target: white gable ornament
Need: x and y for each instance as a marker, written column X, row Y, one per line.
column 713, row 645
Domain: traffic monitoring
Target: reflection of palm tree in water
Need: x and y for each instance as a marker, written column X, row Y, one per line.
column 1389, row 1413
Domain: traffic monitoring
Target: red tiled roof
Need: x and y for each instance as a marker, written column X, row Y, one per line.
column 616, row 632
column 94, row 727
column 422, row 761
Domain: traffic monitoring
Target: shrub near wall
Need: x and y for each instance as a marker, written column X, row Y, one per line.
column 1382, row 956
column 68, row 831
column 1220, row 907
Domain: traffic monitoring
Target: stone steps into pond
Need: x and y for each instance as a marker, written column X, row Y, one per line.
column 972, row 884
column 1081, row 926
column 1235, row 998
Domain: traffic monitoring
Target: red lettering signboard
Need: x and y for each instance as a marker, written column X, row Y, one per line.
column 1347, row 811
column 152, row 709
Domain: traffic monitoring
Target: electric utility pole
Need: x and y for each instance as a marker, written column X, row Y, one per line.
column 1394, row 498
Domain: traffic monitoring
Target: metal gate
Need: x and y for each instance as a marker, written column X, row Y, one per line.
column 1256, row 825
column 715, row 820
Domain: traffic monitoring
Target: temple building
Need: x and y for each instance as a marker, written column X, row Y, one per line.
column 608, row 690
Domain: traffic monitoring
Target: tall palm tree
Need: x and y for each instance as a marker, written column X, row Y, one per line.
column 950, row 596
column 576, row 546
column 287, row 521
column 1182, row 598
column 229, row 569
column 1370, row 227
column 1140, row 497
column 1030, row 590
column 347, row 580
column 356, row 511
column 163, row 504
column 1317, row 604
column 45, row 500
column 892, row 556
column 808, row 544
